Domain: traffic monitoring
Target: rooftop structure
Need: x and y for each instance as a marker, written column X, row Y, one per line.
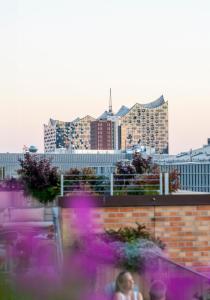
column 103, row 162
column 143, row 124
column 193, row 155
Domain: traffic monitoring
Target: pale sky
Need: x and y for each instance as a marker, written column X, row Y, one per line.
column 59, row 58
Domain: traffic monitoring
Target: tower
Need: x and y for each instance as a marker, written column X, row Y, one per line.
column 110, row 102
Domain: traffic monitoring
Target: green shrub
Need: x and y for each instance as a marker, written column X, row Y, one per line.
column 135, row 247
column 39, row 177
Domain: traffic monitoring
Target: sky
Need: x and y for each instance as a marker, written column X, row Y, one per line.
column 59, row 58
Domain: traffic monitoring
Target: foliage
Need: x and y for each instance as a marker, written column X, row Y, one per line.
column 124, row 167
column 146, row 184
column 11, row 184
column 84, row 179
column 138, row 255
column 6, row 290
column 135, row 246
column 124, row 174
column 40, row 178
column 174, row 182
column 88, row 173
column 142, row 165
column 74, row 172
column 131, row 234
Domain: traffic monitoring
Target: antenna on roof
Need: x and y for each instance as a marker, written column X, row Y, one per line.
column 110, row 101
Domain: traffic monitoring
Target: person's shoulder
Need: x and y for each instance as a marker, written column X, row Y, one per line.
column 117, row 296
column 139, row 296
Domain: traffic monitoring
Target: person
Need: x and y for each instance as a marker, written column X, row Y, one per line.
column 157, row 290
column 124, row 288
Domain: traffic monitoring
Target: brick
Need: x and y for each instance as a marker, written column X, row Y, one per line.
column 185, row 229
column 205, row 254
column 203, row 218
column 125, row 209
column 190, row 213
column 140, row 214
column 110, row 209
column 189, row 244
column 180, row 224
column 175, row 219
column 203, row 207
column 115, row 215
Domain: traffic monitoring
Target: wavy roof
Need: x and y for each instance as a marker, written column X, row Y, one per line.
column 160, row 101
column 122, row 111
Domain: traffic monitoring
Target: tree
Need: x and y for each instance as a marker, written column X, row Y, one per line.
column 142, row 165
column 40, row 178
column 124, row 172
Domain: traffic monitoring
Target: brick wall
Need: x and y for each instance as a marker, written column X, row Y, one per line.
column 184, row 228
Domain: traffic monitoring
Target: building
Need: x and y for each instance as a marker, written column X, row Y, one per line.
column 79, row 136
column 102, row 135
column 109, row 116
column 103, row 162
column 146, row 125
column 67, row 135
column 56, row 135
column 201, row 154
column 193, row 167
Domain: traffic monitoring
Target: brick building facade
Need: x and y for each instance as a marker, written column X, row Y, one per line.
column 102, row 135
column 183, row 227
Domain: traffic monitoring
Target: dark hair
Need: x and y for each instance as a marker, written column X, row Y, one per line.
column 157, row 290
column 119, row 280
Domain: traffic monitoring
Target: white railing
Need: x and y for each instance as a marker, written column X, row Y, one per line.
column 116, row 184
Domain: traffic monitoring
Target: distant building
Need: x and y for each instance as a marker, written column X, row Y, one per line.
column 109, row 116
column 56, row 135
column 102, row 135
column 79, row 135
column 67, row 135
column 146, row 125
column 193, row 167
column 103, row 162
column 193, row 155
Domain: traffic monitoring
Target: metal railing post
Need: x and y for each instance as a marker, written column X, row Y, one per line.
column 62, row 186
column 111, row 184
column 56, row 219
column 166, row 181
column 161, row 183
